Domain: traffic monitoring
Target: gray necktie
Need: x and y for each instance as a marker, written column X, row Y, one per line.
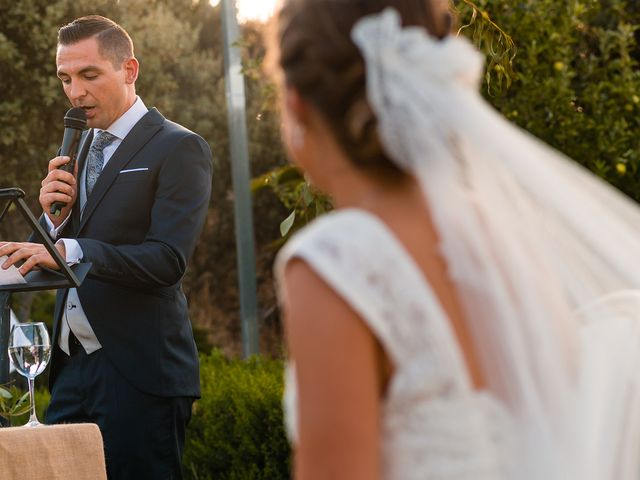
column 95, row 158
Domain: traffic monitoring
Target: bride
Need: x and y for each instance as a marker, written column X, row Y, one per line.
column 468, row 310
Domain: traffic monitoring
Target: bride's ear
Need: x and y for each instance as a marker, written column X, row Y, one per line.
column 297, row 108
column 294, row 114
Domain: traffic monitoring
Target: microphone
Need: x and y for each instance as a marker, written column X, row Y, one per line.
column 75, row 121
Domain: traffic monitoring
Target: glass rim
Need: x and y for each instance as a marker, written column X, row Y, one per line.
column 21, row 324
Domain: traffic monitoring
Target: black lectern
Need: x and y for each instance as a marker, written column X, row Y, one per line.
column 45, row 279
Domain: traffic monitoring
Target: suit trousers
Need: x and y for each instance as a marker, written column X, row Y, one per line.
column 143, row 434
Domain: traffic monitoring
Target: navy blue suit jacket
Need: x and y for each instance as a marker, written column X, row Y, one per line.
column 139, row 229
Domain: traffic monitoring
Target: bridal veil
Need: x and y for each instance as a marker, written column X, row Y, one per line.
column 544, row 255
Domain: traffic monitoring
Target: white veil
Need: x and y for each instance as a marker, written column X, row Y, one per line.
column 544, row 255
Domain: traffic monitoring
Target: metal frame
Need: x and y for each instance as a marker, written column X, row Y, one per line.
column 43, row 279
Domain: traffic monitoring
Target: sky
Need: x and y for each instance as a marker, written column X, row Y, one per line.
column 252, row 9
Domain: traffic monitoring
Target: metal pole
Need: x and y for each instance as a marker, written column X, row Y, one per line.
column 5, row 322
column 236, row 112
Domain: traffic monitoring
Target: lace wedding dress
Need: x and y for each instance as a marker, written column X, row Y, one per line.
column 545, row 261
column 434, row 426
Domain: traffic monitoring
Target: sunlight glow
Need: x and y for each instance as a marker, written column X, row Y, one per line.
column 253, row 9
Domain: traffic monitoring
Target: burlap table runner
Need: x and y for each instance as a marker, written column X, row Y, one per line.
column 56, row 452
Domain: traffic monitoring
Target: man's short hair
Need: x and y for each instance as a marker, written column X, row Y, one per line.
column 114, row 43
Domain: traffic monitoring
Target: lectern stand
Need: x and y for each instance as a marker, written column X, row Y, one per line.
column 44, row 279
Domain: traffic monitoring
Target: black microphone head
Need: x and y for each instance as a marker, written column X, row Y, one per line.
column 75, row 118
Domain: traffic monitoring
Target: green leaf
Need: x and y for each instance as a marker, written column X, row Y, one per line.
column 307, row 195
column 24, row 398
column 4, row 393
column 287, row 223
column 20, row 410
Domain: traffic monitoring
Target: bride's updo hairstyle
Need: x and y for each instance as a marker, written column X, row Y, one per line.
column 318, row 58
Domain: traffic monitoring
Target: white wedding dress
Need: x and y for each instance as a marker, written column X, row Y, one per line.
column 545, row 260
column 434, row 425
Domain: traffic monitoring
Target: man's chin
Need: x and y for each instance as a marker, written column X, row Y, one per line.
column 94, row 123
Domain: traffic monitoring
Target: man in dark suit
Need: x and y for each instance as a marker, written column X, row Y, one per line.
column 124, row 356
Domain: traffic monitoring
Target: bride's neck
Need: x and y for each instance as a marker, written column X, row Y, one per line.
column 370, row 191
column 349, row 186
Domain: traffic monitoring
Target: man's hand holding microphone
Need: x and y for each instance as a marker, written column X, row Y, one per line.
column 59, row 188
column 58, row 195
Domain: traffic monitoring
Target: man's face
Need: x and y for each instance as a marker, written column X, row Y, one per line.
column 91, row 82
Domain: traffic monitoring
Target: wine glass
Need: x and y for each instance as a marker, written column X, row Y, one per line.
column 30, row 350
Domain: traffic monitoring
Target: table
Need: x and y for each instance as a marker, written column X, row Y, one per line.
column 52, row 452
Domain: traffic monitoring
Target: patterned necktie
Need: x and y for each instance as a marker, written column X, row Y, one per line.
column 95, row 158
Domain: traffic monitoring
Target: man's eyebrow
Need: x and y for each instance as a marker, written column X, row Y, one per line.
column 89, row 69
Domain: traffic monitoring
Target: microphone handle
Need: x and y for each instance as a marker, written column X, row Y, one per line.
column 69, row 148
column 56, row 207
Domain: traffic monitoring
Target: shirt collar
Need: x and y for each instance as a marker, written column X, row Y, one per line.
column 123, row 125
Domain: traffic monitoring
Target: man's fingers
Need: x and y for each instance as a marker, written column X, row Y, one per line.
column 49, row 195
column 15, row 256
column 7, row 248
column 51, row 198
column 58, row 176
column 59, row 187
column 57, row 162
column 33, row 255
column 30, row 263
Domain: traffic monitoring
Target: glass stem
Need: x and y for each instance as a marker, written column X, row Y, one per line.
column 33, row 418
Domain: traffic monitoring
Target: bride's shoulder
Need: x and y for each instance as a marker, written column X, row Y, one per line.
column 336, row 232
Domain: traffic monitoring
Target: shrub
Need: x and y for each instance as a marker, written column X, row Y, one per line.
column 42, row 401
column 577, row 80
column 237, row 430
column 574, row 82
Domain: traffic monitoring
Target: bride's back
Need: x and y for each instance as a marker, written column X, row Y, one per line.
column 407, row 215
column 431, row 422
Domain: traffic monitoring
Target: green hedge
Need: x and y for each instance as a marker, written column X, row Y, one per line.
column 237, row 429
column 574, row 82
column 577, row 82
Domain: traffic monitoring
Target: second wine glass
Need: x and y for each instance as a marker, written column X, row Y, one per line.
column 30, row 350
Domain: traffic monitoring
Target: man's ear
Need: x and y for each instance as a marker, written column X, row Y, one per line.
column 131, row 68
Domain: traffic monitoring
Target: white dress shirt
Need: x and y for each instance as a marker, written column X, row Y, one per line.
column 74, row 317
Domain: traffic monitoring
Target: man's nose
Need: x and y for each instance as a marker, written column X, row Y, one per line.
column 76, row 90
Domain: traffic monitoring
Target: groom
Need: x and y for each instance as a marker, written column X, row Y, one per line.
column 124, row 356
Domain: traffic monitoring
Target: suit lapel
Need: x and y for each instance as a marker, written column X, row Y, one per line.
column 137, row 138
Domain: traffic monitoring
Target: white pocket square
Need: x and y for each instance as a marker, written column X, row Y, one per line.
column 134, row 170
